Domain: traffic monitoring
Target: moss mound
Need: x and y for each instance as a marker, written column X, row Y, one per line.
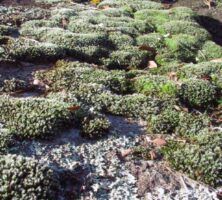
column 198, row 93
column 31, row 118
column 25, row 178
column 194, row 158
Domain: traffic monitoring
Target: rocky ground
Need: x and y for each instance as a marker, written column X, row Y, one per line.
column 107, row 171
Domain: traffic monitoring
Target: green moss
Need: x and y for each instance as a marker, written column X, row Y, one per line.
column 183, row 124
column 117, row 12
column 94, row 127
column 63, row 38
column 154, row 40
column 66, row 74
column 183, row 47
column 6, row 140
column 191, row 125
column 59, row 14
column 154, row 16
column 49, row 1
column 30, row 117
column 134, row 4
column 183, row 13
column 167, row 68
column 25, row 178
column 131, row 57
column 197, row 93
column 164, row 123
column 143, row 26
column 13, row 85
column 175, row 27
column 125, row 25
column 155, row 85
column 119, row 40
column 136, row 106
column 33, row 51
column 89, row 47
column 141, row 152
column 200, row 70
column 209, row 51
column 200, row 160
column 84, row 26
column 164, row 57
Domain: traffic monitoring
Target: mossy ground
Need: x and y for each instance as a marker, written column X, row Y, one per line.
column 99, row 58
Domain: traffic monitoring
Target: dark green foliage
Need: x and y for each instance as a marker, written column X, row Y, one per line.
column 197, row 93
column 34, row 117
column 201, row 160
column 94, row 127
column 24, row 178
